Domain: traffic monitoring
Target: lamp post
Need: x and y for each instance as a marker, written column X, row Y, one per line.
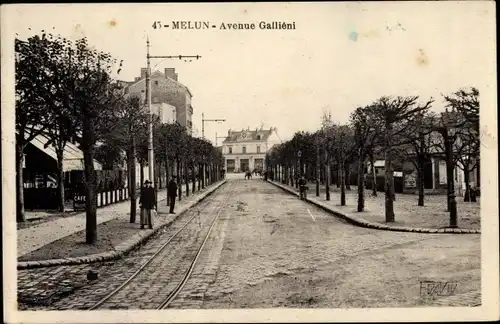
column 203, row 120
column 449, row 140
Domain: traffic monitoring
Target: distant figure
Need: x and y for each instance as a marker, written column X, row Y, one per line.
column 172, row 194
column 147, row 203
column 302, row 187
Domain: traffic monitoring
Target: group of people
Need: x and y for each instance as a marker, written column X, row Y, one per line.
column 148, row 204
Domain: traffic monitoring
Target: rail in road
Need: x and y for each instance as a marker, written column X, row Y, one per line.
column 178, row 235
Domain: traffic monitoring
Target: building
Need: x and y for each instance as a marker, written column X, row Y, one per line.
column 166, row 89
column 435, row 177
column 166, row 112
column 246, row 149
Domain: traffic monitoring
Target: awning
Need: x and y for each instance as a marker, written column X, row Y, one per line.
column 72, row 155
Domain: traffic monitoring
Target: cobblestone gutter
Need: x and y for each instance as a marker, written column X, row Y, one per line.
column 358, row 221
column 124, row 247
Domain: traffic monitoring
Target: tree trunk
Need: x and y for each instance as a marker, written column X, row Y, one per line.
column 179, row 187
column 141, row 165
column 467, row 183
column 20, row 215
column 199, row 176
column 132, row 184
column 389, row 202
column 193, row 177
column 160, row 175
column 203, row 176
column 60, row 179
column 327, row 180
column 342, row 184
column 167, row 177
column 318, row 172
column 361, row 182
column 90, row 182
column 420, row 180
column 186, row 177
column 374, row 177
column 347, row 176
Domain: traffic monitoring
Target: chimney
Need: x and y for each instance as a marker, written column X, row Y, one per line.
column 170, row 73
column 143, row 72
column 137, row 79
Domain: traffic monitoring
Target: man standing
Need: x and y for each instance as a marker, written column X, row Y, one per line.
column 147, row 203
column 172, row 194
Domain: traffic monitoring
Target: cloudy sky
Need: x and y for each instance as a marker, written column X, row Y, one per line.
column 340, row 56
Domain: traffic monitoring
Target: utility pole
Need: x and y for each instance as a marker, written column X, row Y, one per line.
column 217, row 137
column 203, row 120
column 150, row 112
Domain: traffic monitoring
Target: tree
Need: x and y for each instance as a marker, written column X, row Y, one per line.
column 417, row 147
column 95, row 100
column 34, row 66
column 395, row 114
column 131, row 118
column 343, row 148
column 466, row 103
column 366, row 133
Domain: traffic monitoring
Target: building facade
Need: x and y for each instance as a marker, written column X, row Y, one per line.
column 435, row 174
column 246, row 150
column 166, row 89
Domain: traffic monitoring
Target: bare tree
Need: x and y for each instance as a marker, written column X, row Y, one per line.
column 417, row 147
column 34, row 67
column 394, row 114
column 366, row 133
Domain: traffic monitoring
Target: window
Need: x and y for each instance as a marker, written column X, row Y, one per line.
column 156, row 83
column 258, row 138
column 258, row 149
column 244, row 149
column 230, row 148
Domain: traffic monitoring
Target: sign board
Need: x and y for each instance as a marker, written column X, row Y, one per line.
column 411, row 180
column 79, row 202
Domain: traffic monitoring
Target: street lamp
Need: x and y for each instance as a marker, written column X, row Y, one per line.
column 449, row 140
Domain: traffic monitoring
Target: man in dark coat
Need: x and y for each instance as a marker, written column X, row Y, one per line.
column 147, row 203
column 172, row 194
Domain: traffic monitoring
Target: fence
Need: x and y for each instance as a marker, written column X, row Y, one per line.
column 104, row 198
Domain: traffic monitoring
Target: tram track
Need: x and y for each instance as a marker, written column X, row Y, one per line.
column 180, row 252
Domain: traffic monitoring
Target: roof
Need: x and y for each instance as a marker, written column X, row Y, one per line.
column 72, row 155
column 158, row 73
column 248, row 135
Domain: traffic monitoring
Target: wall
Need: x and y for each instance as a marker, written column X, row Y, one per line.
column 167, row 91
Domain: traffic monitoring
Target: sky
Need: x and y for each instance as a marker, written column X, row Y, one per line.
column 339, row 57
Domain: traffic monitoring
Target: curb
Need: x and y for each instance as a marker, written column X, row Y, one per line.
column 364, row 223
column 122, row 249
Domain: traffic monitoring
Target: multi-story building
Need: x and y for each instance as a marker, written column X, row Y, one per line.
column 246, row 150
column 167, row 90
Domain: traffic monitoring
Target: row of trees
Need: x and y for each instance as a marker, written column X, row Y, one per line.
column 400, row 129
column 65, row 92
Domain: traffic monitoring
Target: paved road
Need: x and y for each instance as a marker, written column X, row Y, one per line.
column 269, row 249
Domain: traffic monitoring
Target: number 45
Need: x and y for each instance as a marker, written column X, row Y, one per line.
column 157, row 24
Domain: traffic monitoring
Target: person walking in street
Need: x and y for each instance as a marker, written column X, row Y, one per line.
column 147, row 202
column 172, row 194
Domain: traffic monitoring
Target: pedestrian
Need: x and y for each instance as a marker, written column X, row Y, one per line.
column 172, row 194
column 147, row 202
